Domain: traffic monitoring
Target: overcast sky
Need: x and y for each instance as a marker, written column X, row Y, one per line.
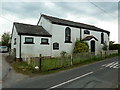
column 101, row 14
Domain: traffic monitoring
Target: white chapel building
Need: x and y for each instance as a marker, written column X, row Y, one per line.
column 53, row 35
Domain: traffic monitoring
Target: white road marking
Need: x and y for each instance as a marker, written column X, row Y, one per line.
column 69, row 81
column 117, row 66
column 108, row 64
column 112, row 65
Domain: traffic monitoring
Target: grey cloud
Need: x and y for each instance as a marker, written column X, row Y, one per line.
column 88, row 9
column 24, row 10
column 61, row 9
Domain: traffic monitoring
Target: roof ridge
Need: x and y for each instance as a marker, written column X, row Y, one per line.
column 75, row 24
column 25, row 24
column 67, row 20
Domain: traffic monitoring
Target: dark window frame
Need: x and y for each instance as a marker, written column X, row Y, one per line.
column 102, row 38
column 44, row 42
column 14, row 41
column 86, row 32
column 67, row 35
column 26, row 42
column 56, row 46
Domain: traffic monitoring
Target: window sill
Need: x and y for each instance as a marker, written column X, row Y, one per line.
column 67, row 42
column 28, row 43
column 87, row 33
column 44, row 43
column 56, row 49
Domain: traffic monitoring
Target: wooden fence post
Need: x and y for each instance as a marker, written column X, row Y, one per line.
column 62, row 61
column 71, row 59
column 40, row 62
column 101, row 54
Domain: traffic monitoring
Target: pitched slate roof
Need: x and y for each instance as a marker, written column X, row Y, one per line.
column 59, row 21
column 87, row 38
column 27, row 29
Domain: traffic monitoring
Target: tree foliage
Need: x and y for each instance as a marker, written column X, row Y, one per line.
column 105, row 47
column 5, row 39
column 80, row 47
column 113, row 46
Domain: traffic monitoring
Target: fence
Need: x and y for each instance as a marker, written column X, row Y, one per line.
column 46, row 64
column 112, row 51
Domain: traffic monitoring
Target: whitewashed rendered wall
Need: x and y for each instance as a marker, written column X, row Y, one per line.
column 17, row 45
column 46, row 24
column 33, row 50
column 97, row 34
column 58, row 35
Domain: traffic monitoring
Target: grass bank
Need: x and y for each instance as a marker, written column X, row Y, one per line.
column 53, row 65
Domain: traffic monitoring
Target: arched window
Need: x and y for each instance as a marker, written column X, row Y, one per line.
column 67, row 35
column 102, row 38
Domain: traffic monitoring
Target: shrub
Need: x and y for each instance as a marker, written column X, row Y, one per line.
column 80, row 47
column 105, row 46
column 63, row 53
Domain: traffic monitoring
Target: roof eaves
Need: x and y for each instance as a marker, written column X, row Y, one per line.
column 34, row 35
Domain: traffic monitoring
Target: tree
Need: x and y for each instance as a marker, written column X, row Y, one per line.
column 0, row 43
column 5, row 39
column 113, row 46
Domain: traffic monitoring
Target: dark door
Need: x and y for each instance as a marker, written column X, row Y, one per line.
column 92, row 46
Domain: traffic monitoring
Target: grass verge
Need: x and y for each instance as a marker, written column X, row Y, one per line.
column 51, row 66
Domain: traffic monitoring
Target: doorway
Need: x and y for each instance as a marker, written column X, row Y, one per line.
column 92, row 46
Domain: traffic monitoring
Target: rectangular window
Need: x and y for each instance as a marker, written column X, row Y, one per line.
column 29, row 40
column 55, row 46
column 86, row 32
column 44, row 41
column 15, row 41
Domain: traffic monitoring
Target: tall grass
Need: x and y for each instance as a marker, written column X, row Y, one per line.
column 57, row 63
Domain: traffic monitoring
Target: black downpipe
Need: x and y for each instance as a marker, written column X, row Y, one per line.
column 20, row 47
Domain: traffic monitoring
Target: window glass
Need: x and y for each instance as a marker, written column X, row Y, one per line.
column 55, row 46
column 44, row 41
column 15, row 41
column 86, row 32
column 68, row 35
column 28, row 40
column 102, row 38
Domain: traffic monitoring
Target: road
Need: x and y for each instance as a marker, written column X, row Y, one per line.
column 7, row 76
column 103, row 74
column 4, row 67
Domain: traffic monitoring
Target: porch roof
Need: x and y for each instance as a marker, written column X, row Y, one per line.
column 87, row 38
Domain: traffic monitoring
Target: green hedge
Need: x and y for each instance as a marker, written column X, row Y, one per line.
column 114, row 47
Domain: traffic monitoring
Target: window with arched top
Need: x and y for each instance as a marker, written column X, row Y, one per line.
column 102, row 38
column 67, row 35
